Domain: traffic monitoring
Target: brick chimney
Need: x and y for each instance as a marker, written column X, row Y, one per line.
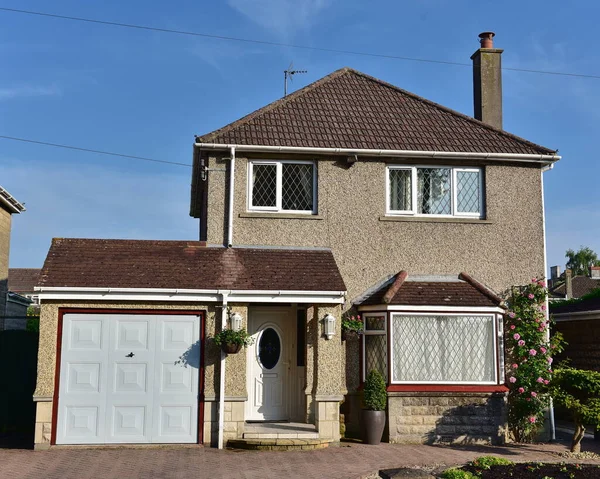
column 487, row 81
column 595, row 272
column 568, row 284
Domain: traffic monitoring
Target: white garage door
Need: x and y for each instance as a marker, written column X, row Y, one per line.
column 127, row 378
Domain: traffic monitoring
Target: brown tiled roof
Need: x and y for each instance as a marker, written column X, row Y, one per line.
column 349, row 109
column 22, row 280
column 434, row 292
column 581, row 285
column 187, row 265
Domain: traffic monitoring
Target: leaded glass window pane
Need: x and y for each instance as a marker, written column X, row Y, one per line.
column 297, row 187
column 400, row 189
column 264, row 185
column 468, row 192
column 443, row 348
column 434, row 194
column 375, row 323
column 376, row 354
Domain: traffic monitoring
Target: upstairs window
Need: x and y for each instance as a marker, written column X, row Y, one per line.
column 282, row 186
column 434, row 191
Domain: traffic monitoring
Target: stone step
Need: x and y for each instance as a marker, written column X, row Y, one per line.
column 281, row 435
column 278, row 444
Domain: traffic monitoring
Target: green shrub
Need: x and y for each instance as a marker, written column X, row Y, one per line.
column 375, row 392
column 485, row 462
column 33, row 324
column 578, row 391
column 457, row 474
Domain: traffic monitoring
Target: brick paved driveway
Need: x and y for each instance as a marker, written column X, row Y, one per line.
column 347, row 461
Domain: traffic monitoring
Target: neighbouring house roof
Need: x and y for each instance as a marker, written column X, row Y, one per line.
column 9, row 203
column 582, row 285
column 349, row 109
column 459, row 290
column 186, row 265
column 23, row 280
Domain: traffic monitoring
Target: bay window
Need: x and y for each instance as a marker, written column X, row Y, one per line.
column 282, row 186
column 443, row 348
column 434, row 191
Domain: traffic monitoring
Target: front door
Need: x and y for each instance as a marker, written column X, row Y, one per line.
column 269, row 365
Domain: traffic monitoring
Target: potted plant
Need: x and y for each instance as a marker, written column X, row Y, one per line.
column 373, row 414
column 231, row 341
column 351, row 325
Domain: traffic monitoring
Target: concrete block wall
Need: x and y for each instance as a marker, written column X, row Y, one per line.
column 233, row 421
column 457, row 418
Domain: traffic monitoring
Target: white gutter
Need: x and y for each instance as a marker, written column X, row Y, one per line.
column 512, row 157
column 196, row 295
column 10, row 202
column 547, row 312
column 222, row 374
column 231, row 192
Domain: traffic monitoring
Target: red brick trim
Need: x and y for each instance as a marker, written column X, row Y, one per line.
column 454, row 388
column 396, row 285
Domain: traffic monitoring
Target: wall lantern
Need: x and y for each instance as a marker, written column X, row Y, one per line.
column 329, row 326
column 235, row 321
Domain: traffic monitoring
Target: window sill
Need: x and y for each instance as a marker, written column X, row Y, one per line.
column 280, row 216
column 433, row 219
column 454, row 388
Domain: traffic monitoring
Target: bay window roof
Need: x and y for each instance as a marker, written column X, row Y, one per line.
column 447, row 290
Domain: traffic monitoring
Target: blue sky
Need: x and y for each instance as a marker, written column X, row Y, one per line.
column 147, row 93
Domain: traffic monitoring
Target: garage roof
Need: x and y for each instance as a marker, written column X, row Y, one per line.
column 101, row 263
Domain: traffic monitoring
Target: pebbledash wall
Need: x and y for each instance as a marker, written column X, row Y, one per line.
column 5, row 223
column 506, row 248
column 324, row 383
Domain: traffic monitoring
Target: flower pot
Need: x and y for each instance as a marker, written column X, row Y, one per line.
column 231, row 348
column 373, row 424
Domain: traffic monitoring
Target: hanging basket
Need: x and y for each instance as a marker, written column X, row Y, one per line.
column 349, row 334
column 231, row 348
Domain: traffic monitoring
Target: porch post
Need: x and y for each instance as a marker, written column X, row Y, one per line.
column 328, row 372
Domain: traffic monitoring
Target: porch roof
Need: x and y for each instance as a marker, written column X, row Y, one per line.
column 191, row 265
column 447, row 290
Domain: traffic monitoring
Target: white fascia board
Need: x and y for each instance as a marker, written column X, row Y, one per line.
column 13, row 205
column 180, row 295
column 576, row 316
column 440, row 309
column 513, row 157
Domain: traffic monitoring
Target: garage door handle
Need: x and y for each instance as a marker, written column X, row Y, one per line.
column 130, row 355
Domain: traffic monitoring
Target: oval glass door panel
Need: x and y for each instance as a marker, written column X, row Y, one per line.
column 269, row 348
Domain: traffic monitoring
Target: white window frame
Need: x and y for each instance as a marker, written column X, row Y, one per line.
column 279, row 186
column 374, row 332
column 453, row 188
column 498, row 346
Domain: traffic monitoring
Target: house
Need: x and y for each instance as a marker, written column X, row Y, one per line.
column 567, row 286
column 349, row 195
column 8, row 304
column 23, row 281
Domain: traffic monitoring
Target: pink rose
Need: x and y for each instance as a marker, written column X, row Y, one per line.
column 533, row 394
column 541, row 329
column 513, row 379
column 521, row 343
column 532, row 419
column 511, row 314
column 358, row 317
column 530, row 296
column 515, row 366
column 521, row 390
column 550, row 360
column 543, row 349
column 512, row 326
column 532, row 352
column 534, row 280
column 543, row 307
column 542, row 283
column 546, row 382
column 516, row 336
column 540, row 380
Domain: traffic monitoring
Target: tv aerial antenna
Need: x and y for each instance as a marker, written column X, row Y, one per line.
column 289, row 73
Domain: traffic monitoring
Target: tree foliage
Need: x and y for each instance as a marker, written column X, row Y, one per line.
column 579, row 262
column 578, row 390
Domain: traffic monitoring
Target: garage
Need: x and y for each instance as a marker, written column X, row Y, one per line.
column 128, row 377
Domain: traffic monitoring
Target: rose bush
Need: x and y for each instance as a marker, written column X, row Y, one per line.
column 531, row 354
